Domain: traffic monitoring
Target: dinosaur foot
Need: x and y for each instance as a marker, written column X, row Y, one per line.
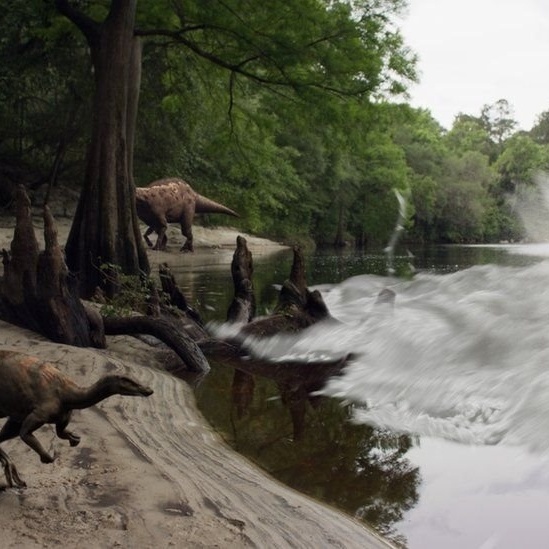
column 12, row 476
column 74, row 440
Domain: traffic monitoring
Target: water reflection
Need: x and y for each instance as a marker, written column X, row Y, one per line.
column 309, row 442
column 207, row 282
column 313, row 446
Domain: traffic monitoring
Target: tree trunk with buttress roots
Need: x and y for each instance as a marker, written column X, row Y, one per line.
column 105, row 229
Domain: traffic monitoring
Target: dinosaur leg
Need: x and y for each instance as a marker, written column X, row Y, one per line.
column 146, row 236
column 61, row 431
column 31, row 423
column 161, row 245
column 10, row 430
column 162, row 238
column 12, row 476
column 187, row 232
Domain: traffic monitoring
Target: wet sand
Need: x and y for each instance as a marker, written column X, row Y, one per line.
column 150, row 472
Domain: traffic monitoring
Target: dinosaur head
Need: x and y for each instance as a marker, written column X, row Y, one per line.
column 129, row 387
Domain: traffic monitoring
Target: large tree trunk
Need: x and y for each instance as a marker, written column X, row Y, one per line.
column 105, row 229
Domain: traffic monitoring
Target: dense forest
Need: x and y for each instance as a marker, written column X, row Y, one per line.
column 294, row 116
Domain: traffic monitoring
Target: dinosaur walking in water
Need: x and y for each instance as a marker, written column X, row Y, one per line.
column 172, row 200
column 34, row 392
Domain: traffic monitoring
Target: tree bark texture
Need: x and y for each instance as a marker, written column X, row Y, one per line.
column 38, row 292
column 106, row 228
column 243, row 306
column 177, row 299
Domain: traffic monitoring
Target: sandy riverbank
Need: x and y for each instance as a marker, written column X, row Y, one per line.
column 150, row 472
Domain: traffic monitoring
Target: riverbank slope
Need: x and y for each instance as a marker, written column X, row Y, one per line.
column 150, row 472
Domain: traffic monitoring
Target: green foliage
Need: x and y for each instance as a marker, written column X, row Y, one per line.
column 519, row 161
column 375, row 209
column 280, row 110
column 540, row 132
column 42, row 101
column 463, row 198
column 464, row 181
column 498, row 120
column 469, row 134
column 270, row 156
column 422, row 142
column 132, row 295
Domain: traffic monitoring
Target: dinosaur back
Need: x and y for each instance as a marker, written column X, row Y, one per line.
column 26, row 382
column 168, row 199
column 173, row 196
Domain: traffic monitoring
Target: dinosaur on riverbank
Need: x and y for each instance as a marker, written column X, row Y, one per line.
column 34, row 392
column 172, row 200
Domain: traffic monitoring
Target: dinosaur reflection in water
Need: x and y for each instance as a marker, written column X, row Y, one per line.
column 309, row 443
column 296, row 382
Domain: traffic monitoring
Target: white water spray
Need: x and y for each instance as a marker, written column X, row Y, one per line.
column 397, row 231
column 461, row 356
column 532, row 206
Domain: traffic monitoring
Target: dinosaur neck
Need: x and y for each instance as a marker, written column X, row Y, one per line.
column 84, row 397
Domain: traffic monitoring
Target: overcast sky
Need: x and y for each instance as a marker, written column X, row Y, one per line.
column 474, row 52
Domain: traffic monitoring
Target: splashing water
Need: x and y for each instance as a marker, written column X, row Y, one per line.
column 463, row 356
column 397, row 231
column 532, row 206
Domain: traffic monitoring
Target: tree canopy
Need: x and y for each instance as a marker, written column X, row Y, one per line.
column 294, row 115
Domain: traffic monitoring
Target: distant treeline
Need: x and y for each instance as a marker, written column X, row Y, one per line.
column 315, row 165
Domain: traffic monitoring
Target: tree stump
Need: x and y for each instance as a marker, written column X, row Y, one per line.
column 37, row 291
column 174, row 294
column 243, row 305
column 242, row 310
column 297, row 306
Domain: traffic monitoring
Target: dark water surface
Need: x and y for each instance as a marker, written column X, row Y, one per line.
column 424, row 437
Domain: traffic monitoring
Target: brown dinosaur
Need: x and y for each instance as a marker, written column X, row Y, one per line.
column 172, row 200
column 34, row 392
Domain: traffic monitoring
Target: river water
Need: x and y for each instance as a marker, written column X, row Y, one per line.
column 437, row 432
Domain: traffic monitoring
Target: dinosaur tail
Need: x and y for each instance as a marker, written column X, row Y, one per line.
column 205, row 205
